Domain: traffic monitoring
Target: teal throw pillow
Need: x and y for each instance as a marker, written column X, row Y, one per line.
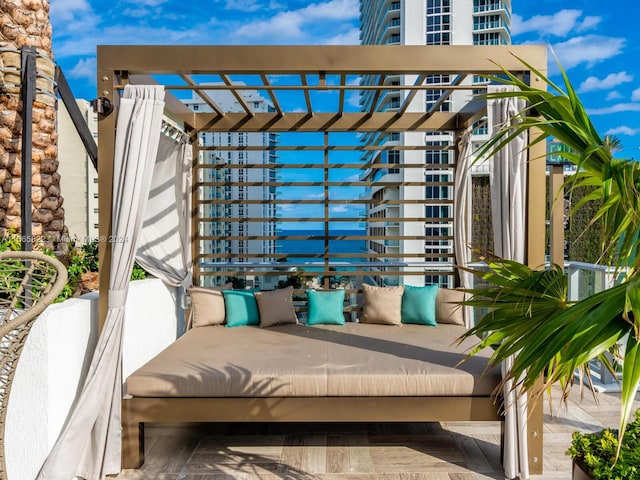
column 419, row 305
column 325, row 307
column 240, row 308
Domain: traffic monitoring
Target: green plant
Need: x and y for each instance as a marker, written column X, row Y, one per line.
column 77, row 259
column 90, row 256
column 138, row 273
column 596, row 453
column 528, row 310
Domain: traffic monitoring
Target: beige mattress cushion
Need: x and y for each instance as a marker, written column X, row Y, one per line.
column 326, row 360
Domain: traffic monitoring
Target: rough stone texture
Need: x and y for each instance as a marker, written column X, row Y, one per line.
column 26, row 22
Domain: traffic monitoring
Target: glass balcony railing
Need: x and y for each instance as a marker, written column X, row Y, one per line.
column 393, row 39
column 490, row 7
column 492, row 25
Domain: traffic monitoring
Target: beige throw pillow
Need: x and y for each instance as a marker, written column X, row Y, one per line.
column 447, row 310
column 382, row 305
column 207, row 305
column 276, row 307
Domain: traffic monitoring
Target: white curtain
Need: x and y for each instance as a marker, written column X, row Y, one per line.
column 462, row 216
column 164, row 249
column 508, row 178
column 90, row 443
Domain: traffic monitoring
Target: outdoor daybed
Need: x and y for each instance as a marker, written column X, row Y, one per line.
column 356, row 372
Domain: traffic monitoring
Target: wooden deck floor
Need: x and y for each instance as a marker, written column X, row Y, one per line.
column 417, row 451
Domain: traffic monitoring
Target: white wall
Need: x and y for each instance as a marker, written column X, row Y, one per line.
column 56, row 358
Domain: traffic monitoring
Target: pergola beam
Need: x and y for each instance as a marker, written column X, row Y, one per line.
column 203, row 95
column 307, row 97
column 245, row 106
column 446, row 93
column 412, row 94
column 330, row 122
column 331, row 59
column 272, row 94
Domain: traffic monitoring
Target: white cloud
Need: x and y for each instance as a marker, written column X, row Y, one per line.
column 69, row 16
column 613, row 95
column 339, row 209
column 588, row 23
column 351, row 37
column 353, row 99
column 635, row 95
column 610, row 81
column 352, row 178
column 617, row 108
column 84, row 43
column 243, row 5
column 148, row 3
column 135, row 12
column 623, row 130
column 85, row 68
column 588, row 49
column 559, row 24
column 314, row 196
column 289, row 24
column 67, row 10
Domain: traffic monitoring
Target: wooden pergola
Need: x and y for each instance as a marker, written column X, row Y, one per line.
column 308, row 70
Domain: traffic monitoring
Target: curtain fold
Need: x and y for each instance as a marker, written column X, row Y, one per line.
column 89, row 445
column 164, row 247
column 508, row 179
column 462, row 216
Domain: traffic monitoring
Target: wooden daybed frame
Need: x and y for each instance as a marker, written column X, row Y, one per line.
column 253, row 374
column 118, row 65
column 137, row 411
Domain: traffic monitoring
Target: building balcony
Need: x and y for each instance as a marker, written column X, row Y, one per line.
column 495, row 25
column 393, row 39
column 491, row 7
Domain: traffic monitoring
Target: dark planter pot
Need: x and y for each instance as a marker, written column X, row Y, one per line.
column 579, row 474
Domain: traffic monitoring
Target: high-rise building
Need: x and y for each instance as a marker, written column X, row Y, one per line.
column 240, row 201
column 78, row 176
column 423, row 22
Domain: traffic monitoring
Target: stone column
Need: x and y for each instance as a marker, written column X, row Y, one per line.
column 26, row 22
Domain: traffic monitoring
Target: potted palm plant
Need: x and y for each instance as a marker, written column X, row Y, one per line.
column 529, row 315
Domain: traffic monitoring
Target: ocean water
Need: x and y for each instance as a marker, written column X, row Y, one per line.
column 315, row 248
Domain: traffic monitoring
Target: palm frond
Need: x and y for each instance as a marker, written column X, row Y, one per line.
column 527, row 311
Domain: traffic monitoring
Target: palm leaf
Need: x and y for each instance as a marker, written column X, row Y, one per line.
column 527, row 311
column 630, row 382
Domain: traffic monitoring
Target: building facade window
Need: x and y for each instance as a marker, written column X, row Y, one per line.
column 438, row 22
column 437, row 157
column 394, row 159
column 491, row 38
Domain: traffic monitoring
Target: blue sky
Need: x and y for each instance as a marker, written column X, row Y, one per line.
column 597, row 42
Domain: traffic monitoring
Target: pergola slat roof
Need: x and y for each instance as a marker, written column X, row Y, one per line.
column 307, row 69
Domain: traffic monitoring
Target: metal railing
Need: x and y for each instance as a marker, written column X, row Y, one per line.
column 584, row 280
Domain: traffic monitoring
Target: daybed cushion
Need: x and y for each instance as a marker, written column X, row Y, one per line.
column 327, row 360
column 240, row 308
column 325, row 307
column 419, row 304
column 447, row 308
column 276, row 307
column 207, row 305
column 382, row 305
